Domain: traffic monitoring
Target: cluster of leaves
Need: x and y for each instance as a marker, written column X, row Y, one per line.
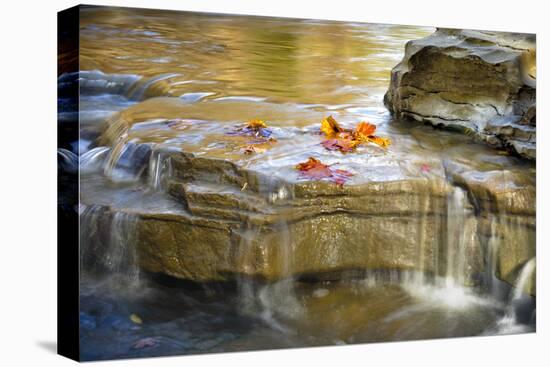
column 260, row 134
column 337, row 138
column 313, row 169
column 255, row 128
column 347, row 140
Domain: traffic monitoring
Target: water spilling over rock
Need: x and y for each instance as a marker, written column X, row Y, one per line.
column 427, row 238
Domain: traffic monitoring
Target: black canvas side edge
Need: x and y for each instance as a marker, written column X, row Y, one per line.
column 68, row 258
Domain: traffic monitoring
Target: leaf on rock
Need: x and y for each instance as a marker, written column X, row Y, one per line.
column 425, row 168
column 364, row 132
column 343, row 145
column 256, row 124
column 257, row 128
column 136, row 319
column 382, row 142
column 313, row 169
column 346, row 140
column 330, row 127
column 365, row 129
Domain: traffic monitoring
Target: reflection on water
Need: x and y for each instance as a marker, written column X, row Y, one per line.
column 197, row 56
column 213, row 71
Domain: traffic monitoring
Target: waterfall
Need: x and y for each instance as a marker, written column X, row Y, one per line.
column 138, row 90
column 424, row 206
column 127, row 161
column 95, row 82
column 509, row 323
column 277, row 301
column 121, row 255
column 449, row 286
column 492, row 257
column 94, row 159
column 108, row 244
column 523, row 278
column 457, row 237
column 160, row 167
column 67, row 161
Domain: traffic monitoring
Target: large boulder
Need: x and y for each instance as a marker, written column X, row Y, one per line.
column 481, row 83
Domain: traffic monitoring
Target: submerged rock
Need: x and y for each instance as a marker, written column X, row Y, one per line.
column 480, row 83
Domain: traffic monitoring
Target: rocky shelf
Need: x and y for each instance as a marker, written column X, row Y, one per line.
column 205, row 211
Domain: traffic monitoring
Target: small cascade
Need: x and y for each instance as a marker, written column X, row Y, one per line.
column 139, row 90
column 127, row 161
column 274, row 302
column 496, row 287
column 492, row 257
column 523, row 278
column 457, row 237
column 121, row 255
column 160, row 168
column 95, row 82
column 449, row 288
column 67, row 161
column 109, row 252
column 279, row 299
column 423, row 205
column 514, row 320
column 94, row 160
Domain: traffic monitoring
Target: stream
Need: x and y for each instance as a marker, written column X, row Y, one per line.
column 182, row 81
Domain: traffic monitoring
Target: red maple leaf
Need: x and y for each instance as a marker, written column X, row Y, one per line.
column 313, row 169
column 425, row 168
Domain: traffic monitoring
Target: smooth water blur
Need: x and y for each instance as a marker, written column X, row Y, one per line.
column 204, row 57
column 213, row 71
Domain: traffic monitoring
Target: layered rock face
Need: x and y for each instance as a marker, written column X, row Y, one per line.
column 205, row 211
column 482, row 83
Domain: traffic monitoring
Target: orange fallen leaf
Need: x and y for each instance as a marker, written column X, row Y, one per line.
column 330, row 127
column 309, row 164
column 256, row 124
column 364, row 132
column 346, row 140
column 313, row 169
column 257, row 128
column 345, row 135
column 382, row 142
column 365, row 129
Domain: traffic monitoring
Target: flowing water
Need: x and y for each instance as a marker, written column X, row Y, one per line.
column 228, row 69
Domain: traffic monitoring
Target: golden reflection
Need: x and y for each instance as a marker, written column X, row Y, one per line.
column 282, row 60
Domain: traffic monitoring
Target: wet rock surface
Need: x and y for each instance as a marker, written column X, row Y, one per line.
column 480, row 83
column 207, row 211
